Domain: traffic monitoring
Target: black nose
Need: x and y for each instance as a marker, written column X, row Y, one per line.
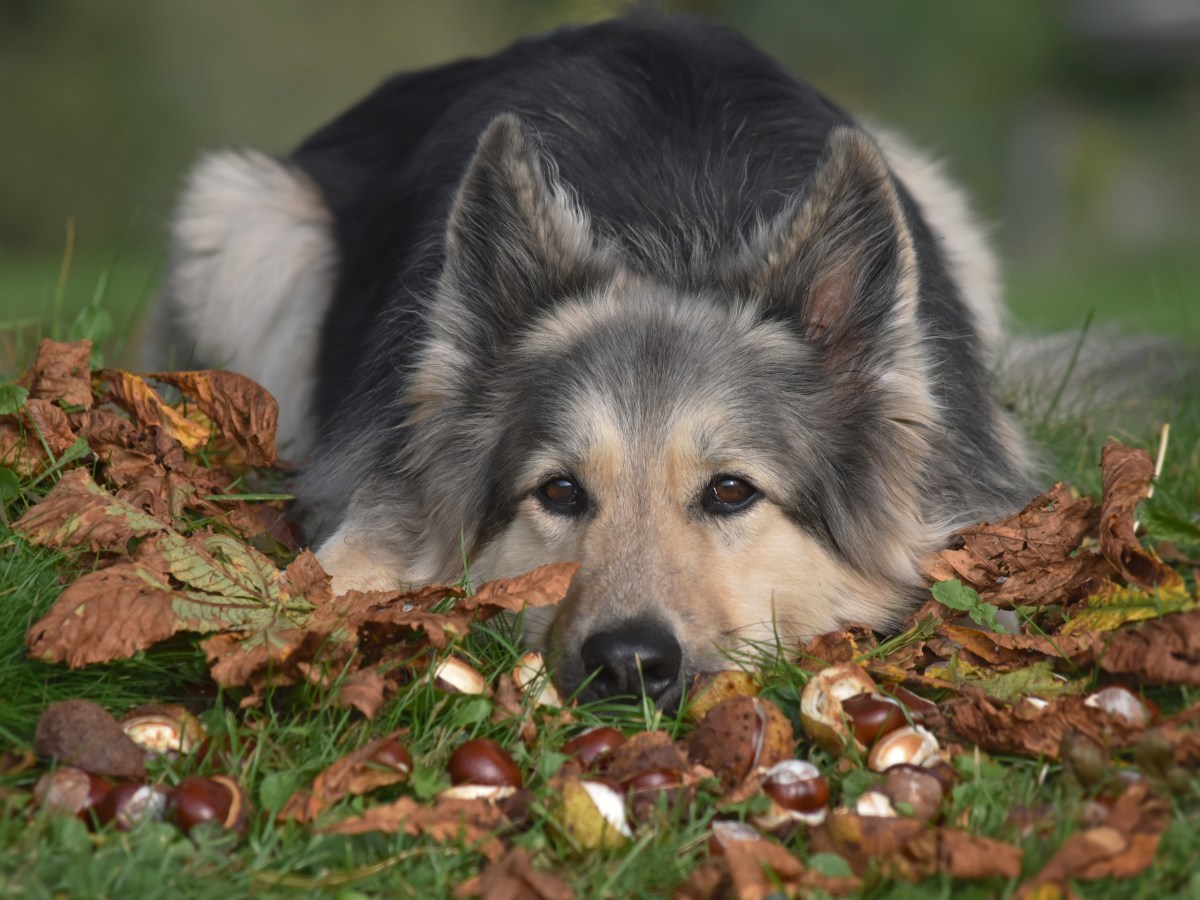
column 638, row 655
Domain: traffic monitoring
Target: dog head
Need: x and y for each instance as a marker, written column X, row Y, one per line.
column 728, row 466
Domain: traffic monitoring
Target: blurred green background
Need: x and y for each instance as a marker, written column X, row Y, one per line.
column 1074, row 125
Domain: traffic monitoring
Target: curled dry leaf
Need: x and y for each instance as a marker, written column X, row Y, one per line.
column 543, row 586
column 245, row 414
column 147, row 408
column 1126, row 474
column 358, row 772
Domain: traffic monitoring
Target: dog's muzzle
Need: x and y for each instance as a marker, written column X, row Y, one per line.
column 638, row 656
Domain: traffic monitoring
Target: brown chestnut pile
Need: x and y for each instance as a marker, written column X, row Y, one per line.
column 68, row 732
column 742, row 754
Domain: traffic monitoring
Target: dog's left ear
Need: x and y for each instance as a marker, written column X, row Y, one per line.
column 840, row 263
column 516, row 242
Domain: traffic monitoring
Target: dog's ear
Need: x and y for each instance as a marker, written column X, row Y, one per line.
column 841, row 262
column 516, row 242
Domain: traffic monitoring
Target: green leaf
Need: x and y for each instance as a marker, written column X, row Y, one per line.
column 1169, row 525
column 10, row 486
column 275, row 790
column 1036, row 680
column 12, row 398
column 426, row 781
column 956, row 595
column 830, row 865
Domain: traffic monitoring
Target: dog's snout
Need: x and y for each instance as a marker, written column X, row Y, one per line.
column 640, row 655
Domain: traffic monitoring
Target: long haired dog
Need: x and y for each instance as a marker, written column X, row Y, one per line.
column 630, row 295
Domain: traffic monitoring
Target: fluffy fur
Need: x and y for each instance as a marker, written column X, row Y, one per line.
column 640, row 260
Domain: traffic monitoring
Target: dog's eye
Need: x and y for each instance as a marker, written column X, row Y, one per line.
column 563, row 496
column 728, row 494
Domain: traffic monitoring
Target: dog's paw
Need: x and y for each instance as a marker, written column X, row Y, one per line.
column 354, row 567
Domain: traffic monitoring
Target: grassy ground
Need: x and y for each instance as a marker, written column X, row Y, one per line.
column 296, row 733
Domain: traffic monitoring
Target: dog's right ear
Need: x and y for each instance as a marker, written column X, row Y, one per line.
column 515, row 243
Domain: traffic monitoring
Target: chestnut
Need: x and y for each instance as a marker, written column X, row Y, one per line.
column 799, row 793
column 129, row 803
column 740, row 735
column 483, row 761
column 530, row 675
column 201, row 799
column 592, row 813
column 797, row 785
column 874, row 803
column 910, row 744
column 920, row 788
column 652, row 780
column 163, row 729
column 69, row 791
column 821, row 711
column 491, row 792
column 456, row 676
column 921, row 711
column 1122, row 703
column 591, row 747
column 393, row 755
column 730, row 831
column 873, row 715
column 710, row 688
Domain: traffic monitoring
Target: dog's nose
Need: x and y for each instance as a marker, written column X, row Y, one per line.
column 638, row 655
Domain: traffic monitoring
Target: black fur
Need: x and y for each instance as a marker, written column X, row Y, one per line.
column 678, row 138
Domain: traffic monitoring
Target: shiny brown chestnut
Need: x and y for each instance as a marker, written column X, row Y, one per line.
column 592, row 746
column 483, row 761
column 201, row 799
column 652, row 780
column 797, row 785
column 917, row 787
column 873, row 715
column 392, row 754
column 129, row 803
column 70, row 791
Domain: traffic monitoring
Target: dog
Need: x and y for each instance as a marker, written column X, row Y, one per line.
column 631, row 295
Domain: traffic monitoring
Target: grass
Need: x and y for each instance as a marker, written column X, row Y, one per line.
column 297, row 732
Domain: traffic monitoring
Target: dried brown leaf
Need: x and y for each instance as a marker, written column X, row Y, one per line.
column 473, row 822
column 543, row 586
column 1162, row 651
column 61, row 374
column 354, row 774
column 1122, row 846
column 79, row 513
column 512, row 877
column 1027, row 728
column 148, row 409
column 246, row 415
column 1045, row 532
column 1126, row 474
column 972, row 856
